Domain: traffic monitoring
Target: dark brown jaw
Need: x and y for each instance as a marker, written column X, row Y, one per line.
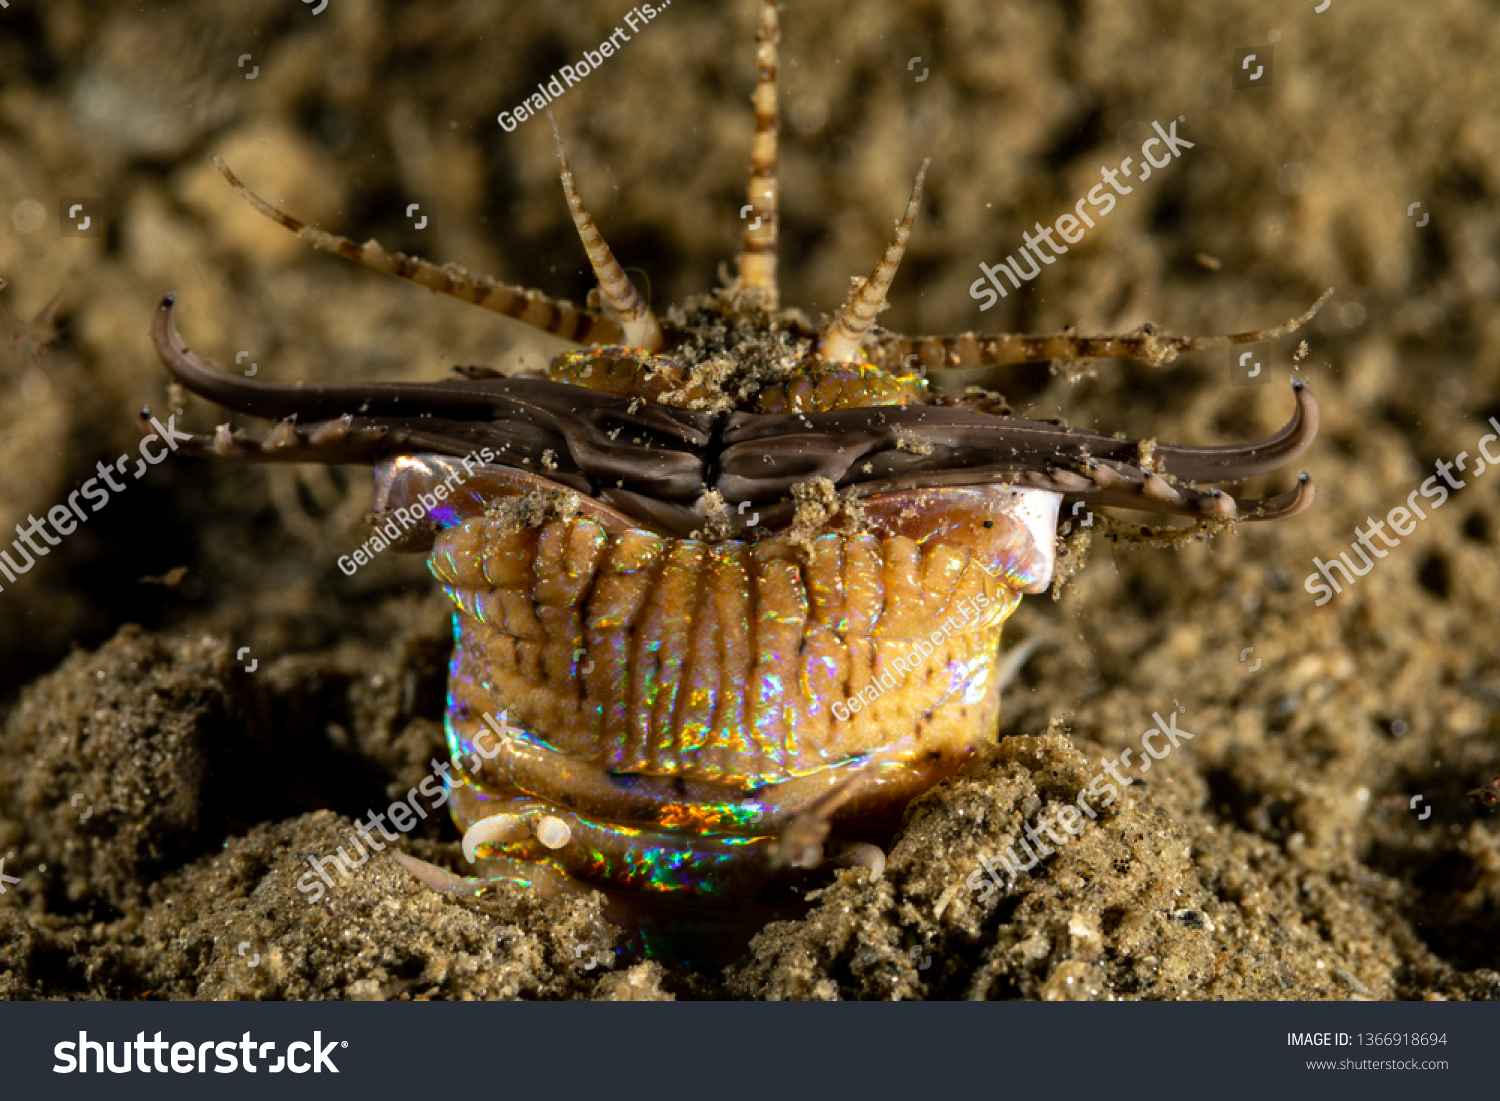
column 873, row 450
column 654, row 462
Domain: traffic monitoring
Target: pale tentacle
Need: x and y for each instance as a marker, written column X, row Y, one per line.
column 757, row 259
column 641, row 327
column 550, row 315
column 801, row 842
column 546, row 880
column 503, row 829
column 439, row 879
column 861, row 854
column 854, row 321
column 497, row 829
column 1145, row 343
column 552, row 831
column 1013, row 660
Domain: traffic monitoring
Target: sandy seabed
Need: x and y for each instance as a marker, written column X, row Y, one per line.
column 1314, row 839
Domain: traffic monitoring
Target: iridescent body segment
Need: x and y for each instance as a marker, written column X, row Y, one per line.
column 653, row 692
column 662, row 690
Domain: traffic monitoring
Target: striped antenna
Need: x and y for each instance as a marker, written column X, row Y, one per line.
column 757, row 262
column 550, row 315
column 842, row 340
column 619, row 293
